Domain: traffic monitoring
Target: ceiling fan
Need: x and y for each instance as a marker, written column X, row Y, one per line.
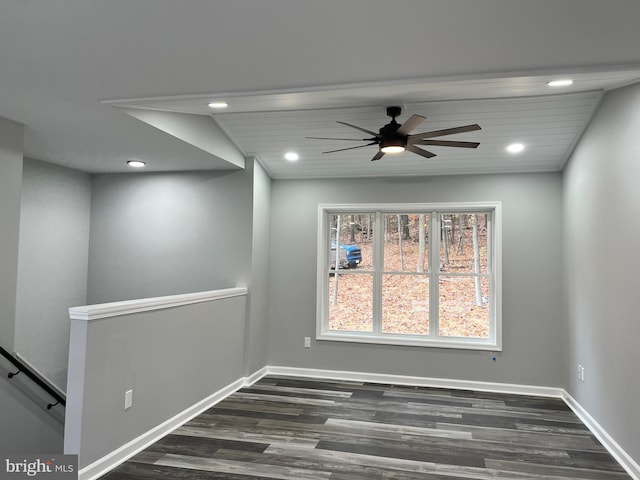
column 396, row 138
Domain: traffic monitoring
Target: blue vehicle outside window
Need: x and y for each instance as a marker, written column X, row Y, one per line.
column 350, row 258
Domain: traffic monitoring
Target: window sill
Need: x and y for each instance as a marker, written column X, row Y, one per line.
column 411, row 341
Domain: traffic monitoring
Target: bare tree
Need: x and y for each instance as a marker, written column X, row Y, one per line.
column 336, row 276
column 387, row 230
column 353, row 229
column 421, row 242
column 461, row 228
column 444, row 227
column 366, row 228
column 452, row 236
column 404, row 221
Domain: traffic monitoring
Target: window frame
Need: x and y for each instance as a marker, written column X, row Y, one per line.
column 493, row 208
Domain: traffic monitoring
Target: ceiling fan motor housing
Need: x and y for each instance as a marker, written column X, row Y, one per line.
column 394, row 112
column 390, row 137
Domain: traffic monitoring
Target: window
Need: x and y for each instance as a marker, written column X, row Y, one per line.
column 411, row 274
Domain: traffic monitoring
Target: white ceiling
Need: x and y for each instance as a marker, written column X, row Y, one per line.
column 291, row 68
column 509, row 108
column 548, row 127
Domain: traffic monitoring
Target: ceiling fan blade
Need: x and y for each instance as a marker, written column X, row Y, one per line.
column 360, row 128
column 414, row 122
column 447, row 131
column 446, row 143
column 419, row 151
column 350, row 148
column 350, row 139
column 378, row 156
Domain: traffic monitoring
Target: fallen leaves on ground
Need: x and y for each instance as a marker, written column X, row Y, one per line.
column 405, row 308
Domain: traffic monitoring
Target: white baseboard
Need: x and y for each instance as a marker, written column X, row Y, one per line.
column 419, row 381
column 254, row 377
column 623, row 458
column 115, row 458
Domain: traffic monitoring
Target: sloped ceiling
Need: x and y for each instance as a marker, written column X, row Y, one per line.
column 290, row 69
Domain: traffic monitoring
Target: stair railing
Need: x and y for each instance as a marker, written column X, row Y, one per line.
column 35, row 376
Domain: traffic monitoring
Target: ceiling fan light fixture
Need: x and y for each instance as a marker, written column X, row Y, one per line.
column 392, row 145
column 393, row 149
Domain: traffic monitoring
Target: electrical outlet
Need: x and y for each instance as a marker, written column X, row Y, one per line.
column 128, row 399
column 307, row 342
column 580, row 372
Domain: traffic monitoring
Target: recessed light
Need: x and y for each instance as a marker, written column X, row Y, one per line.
column 515, row 148
column 218, row 104
column 291, row 156
column 136, row 163
column 565, row 82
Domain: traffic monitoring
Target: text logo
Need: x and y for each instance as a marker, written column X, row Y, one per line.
column 50, row 467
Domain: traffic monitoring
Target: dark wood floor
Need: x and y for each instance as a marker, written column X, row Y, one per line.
column 293, row 428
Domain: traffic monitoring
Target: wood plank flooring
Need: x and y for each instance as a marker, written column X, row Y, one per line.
column 295, row 429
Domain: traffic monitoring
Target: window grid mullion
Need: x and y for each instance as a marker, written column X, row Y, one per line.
column 490, row 271
column 326, row 225
column 378, row 250
column 434, row 270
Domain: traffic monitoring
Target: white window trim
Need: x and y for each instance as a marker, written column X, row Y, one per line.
column 493, row 343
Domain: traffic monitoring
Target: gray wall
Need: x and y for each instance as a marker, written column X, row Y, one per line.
column 26, row 426
column 52, row 263
column 534, row 337
column 163, row 234
column 256, row 341
column 170, row 358
column 602, row 261
column 168, row 233
column 11, row 137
